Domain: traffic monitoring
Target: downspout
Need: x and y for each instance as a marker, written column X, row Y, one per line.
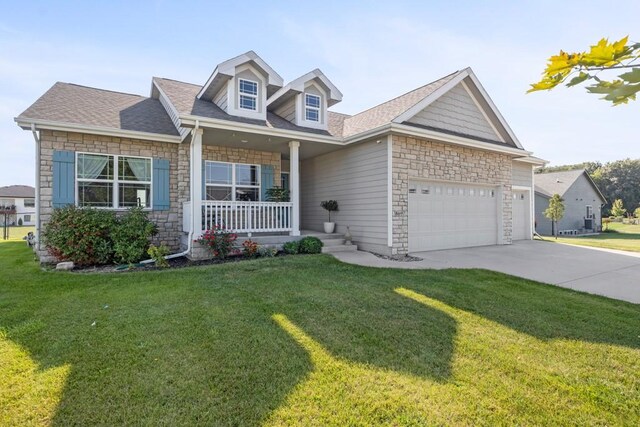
column 191, row 201
column 37, row 140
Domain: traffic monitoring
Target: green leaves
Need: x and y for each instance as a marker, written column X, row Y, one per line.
column 579, row 67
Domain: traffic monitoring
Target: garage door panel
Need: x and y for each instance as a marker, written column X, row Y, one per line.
column 445, row 216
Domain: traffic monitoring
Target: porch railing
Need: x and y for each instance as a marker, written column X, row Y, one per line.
column 247, row 217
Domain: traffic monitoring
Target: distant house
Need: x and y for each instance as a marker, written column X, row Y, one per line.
column 582, row 200
column 21, row 200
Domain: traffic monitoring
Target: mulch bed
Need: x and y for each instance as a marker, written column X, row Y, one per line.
column 398, row 258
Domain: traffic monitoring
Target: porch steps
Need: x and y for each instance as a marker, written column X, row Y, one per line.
column 333, row 243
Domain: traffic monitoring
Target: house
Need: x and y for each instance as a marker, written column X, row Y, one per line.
column 435, row 168
column 582, row 202
column 20, row 201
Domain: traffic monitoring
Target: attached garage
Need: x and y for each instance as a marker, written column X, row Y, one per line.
column 452, row 215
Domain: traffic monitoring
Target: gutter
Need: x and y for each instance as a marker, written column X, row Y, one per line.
column 37, row 206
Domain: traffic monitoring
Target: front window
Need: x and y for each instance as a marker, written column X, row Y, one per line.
column 589, row 211
column 107, row 181
column 248, row 94
column 29, row 203
column 27, row 218
column 312, row 107
column 232, row 181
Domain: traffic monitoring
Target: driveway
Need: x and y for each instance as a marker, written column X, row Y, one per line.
column 610, row 273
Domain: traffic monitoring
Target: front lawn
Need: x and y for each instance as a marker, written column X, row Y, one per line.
column 623, row 237
column 306, row 340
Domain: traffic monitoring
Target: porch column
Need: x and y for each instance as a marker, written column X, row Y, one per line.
column 196, row 181
column 294, row 176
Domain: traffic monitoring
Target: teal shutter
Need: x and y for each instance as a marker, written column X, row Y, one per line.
column 64, row 178
column 161, row 198
column 266, row 180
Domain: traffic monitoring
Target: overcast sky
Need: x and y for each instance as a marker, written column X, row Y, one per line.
column 370, row 52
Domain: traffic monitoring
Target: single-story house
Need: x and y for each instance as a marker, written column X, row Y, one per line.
column 583, row 202
column 19, row 199
column 435, row 168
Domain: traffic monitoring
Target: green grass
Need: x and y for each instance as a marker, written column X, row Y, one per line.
column 18, row 232
column 623, row 237
column 307, row 340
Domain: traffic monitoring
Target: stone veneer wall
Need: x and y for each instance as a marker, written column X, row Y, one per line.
column 169, row 222
column 429, row 160
column 242, row 155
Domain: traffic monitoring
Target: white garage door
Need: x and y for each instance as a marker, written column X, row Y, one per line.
column 446, row 216
column 520, row 215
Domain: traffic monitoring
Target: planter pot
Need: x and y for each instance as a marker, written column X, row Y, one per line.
column 329, row 227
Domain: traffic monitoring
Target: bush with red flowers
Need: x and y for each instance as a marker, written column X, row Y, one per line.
column 219, row 241
column 250, row 248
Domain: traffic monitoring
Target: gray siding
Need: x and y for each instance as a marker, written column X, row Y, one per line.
column 357, row 178
column 521, row 174
column 576, row 199
column 456, row 111
column 288, row 110
column 221, row 98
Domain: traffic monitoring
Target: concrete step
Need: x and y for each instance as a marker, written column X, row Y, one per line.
column 332, row 242
column 342, row 248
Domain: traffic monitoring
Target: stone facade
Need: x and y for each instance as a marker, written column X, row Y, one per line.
column 418, row 159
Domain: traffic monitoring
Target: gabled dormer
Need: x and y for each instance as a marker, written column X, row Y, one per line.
column 241, row 86
column 305, row 100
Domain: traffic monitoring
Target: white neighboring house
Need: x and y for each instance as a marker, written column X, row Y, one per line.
column 22, row 197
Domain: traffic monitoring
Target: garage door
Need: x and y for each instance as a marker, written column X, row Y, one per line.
column 446, row 216
column 520, row 215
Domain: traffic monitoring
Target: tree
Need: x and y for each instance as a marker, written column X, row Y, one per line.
column 555, row 212
column 636, row 213
column 586, row 66
column 618, row 209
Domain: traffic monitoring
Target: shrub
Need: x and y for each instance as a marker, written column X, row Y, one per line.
column 310, row 245
column 329, row 206
column 20, row 222
column 131, row 236
column 157, row 253
column 250, row 248
column 277, row 194
column 80, row 235
column 267, row 251
column 219, row 241
column 291, row 248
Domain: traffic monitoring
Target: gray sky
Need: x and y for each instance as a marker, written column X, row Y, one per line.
column 371, row 51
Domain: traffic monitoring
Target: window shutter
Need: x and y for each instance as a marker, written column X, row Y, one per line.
column 64, row 178
column 266, row 180
column 161, row 198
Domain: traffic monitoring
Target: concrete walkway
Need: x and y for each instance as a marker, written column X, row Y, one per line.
column 614, row 274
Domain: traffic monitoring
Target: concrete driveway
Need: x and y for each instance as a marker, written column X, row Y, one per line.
column 614, row 274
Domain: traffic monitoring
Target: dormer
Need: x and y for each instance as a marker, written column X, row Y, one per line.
column 304, row 101
column 241, row 86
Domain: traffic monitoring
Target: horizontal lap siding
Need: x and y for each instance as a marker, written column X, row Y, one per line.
column 356, row 177
column 521, row 174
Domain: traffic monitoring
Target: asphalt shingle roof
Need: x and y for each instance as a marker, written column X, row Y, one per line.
column 556, row 182
column 18, row 191
column 74, row 104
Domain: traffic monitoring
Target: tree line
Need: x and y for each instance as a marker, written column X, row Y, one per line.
column 616, row 180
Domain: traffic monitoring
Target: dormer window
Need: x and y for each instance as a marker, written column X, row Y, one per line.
column 248, row 94
column 312, row 107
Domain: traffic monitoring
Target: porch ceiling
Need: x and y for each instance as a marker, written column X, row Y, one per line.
column 253, row 141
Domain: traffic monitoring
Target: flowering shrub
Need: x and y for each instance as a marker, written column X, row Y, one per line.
column 249, row 248
column 219, row 241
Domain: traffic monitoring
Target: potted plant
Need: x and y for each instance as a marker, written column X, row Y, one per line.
column 329, row 206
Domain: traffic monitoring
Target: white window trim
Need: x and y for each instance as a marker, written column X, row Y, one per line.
column 316, row 109
column 115, row 181
column 234, row 184
column 590, row 208
column 241, row 94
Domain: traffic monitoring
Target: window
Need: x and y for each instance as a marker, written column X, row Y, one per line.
column 107, row 181
column 232, row 181
column 589, row 211
column 29, row 203
column 284, row 180
column 312, row 107
column 27, row 218
column 248, row 94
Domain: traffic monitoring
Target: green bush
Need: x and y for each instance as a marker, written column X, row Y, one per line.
column 310, row 245
column 267, row 251
column 131, row 236
column 20, row 222
column 291, row 248
column 80, row 235
column 158, row 254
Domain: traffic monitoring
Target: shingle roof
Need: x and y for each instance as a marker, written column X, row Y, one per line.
column 183, row 97
column 389, row 110
column 556, row 182
column 74, row 104
column 19, row 191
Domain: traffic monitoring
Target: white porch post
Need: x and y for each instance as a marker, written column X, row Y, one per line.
column 196, row 184
column 294, row 160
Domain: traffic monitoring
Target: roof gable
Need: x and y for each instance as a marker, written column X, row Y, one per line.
column 298, row 85
column 552, row 183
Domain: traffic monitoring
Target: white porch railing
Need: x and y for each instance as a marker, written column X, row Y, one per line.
column 247, row 217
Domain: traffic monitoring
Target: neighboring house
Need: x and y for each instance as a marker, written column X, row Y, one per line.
column 435, row 168
column 21, row 200
column 582, row 201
